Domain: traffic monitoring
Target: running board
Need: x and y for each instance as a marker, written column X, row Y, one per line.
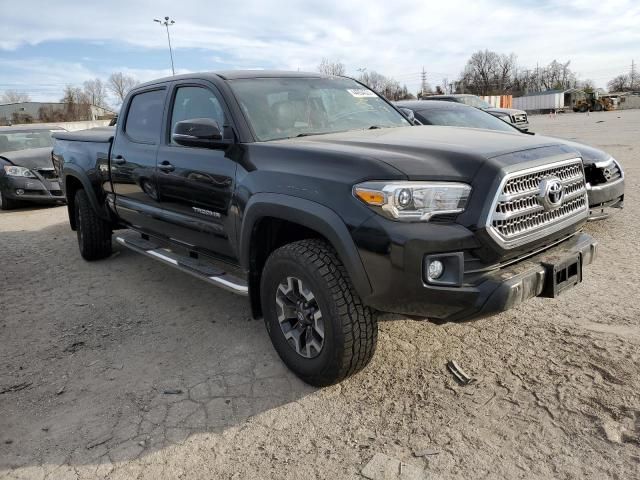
column 204, row 271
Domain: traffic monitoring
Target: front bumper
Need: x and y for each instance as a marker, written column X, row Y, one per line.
column 604, row 198
column 511, row 286
column 40, row 190
column 399, row 285
column 522, row 125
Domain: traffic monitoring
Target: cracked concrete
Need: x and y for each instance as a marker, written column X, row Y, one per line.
column 138, row 371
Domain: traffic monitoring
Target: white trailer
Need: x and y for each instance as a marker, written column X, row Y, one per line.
column 540, row 101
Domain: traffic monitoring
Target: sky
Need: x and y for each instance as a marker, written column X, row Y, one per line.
column 46, row 45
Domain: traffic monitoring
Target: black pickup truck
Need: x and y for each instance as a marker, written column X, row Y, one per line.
column 322, row 203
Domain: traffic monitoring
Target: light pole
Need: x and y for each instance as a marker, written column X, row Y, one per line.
column 167, row 23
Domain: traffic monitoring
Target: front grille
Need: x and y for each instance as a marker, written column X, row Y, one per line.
column 600, row 174
column 521, row 212
column 520, row 118
column 48, row 173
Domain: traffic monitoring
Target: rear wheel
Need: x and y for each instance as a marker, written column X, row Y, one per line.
column 94, row 233
column 314, row 316
column 597, row 107
column 583, row 108
column 7, row 203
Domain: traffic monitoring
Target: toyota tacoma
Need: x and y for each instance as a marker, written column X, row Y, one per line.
column 321, row 202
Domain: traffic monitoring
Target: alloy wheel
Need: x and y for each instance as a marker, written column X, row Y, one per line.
column 300, row 317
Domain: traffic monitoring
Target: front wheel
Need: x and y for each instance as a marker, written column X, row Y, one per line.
column 94, row 233
column 315, row 318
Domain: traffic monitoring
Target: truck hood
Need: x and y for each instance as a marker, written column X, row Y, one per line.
column 505, row 111
column 589, row 154
column 433, row 152
column 32, row 158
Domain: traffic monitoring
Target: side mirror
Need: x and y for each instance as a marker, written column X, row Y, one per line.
column 408, row 113
column 198, row 132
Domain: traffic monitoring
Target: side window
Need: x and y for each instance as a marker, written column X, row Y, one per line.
column 196, row 102
column 144, row 119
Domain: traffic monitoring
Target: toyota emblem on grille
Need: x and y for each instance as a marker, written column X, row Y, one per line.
column 551, row 193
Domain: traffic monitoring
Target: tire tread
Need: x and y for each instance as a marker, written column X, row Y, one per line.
column 359, row 323
column 95, row 241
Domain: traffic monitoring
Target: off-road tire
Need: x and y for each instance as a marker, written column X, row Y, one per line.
column 7, row 203
column 94, row 233
column 350, row 328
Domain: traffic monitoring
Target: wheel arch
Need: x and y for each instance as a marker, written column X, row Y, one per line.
column 74, row 180
column 272, row 220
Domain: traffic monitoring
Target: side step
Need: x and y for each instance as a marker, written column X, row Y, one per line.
column 202, row 270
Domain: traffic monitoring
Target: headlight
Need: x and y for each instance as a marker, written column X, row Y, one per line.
column 14, row 171
column 413, row 201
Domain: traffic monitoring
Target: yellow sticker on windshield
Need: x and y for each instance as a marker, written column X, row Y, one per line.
column 361, row 92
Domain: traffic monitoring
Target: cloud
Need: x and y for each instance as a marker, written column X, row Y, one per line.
column 397, row 38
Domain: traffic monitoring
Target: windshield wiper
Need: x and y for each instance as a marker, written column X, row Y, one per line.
column 308, row 134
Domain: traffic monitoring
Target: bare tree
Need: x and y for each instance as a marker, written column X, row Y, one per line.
column 119, row 84
column 587, row 85
column 13, row 96
column 374, row 80
column 557, row 76
column 96, row 92
column 77, row 105
column 328, row 67
column 387, row 87
column 621, row 83
column 488, row 73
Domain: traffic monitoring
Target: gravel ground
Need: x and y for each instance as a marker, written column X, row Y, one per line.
column 125, row 368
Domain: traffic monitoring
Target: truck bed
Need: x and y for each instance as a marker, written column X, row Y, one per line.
column 97, row 135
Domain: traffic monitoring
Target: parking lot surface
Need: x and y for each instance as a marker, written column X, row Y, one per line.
column 125, row 368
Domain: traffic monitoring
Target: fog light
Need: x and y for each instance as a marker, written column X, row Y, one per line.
column 19, row 191
column 436, row 269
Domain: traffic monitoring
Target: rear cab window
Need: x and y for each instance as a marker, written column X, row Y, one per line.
column 144, row 118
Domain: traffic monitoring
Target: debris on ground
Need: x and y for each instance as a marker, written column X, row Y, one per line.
column 74, row 347
column 16, row 388
column 98, row 442
column 172, row 391
column 460, row 375
column 383, row 467
column 425, row 452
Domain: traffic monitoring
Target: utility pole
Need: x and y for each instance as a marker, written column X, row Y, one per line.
column 633, row 74
column 423, row 88
column 167, row 23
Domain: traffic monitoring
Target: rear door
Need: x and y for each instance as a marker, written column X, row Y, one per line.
column 196, row 184
column 133, row 159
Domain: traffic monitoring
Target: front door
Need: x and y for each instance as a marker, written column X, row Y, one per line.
column 196, row 184
column 133, row 160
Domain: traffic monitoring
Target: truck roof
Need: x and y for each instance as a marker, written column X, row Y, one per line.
column 237, row 74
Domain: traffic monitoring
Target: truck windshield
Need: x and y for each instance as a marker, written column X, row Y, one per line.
column 280, row 108
column 463, row 117
column 24, row 139
column 474, row 101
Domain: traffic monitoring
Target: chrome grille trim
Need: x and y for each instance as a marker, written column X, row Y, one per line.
column 518, row 217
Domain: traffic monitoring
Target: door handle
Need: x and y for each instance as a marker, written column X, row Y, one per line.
column 119, row 160
column 166, row 167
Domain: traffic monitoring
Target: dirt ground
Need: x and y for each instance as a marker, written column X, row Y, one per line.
column 125, row 368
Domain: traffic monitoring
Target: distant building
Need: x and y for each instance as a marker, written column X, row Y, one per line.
column 30, row 112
